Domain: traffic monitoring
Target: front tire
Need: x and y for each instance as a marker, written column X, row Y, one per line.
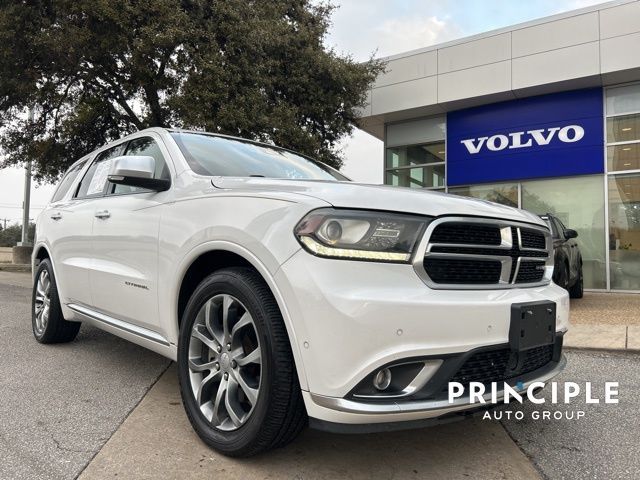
column 237, row 376
column 577, row 289
column 47, row 321
column 561, row 275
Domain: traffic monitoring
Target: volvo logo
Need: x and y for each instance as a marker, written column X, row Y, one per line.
column 525, row 139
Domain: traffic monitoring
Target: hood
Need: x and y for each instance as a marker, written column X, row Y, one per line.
column 379, row 197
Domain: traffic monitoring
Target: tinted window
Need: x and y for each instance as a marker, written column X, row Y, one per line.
column 149, row 148
column 559, row 226
column 94, row 183
column 219, row 156
column 67, row 181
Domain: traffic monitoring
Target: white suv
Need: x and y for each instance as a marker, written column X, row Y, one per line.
column 288, row 295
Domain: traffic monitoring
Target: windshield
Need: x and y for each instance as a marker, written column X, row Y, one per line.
column 549, row 223
column 227, row 157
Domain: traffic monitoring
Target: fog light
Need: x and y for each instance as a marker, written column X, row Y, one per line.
column 382, row 380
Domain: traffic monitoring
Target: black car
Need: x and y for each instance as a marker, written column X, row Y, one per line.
column 568, row 259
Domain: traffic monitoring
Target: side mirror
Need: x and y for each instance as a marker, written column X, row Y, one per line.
column 569, row 233
column 137, row 171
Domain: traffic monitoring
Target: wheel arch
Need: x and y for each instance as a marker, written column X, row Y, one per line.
column 212, row 256
column 40, row 253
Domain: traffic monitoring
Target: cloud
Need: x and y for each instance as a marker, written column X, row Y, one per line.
column 12, row 192
column 380, row 30
column 398, row 35
column 383, row 28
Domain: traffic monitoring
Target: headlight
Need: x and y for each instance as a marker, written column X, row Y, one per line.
column 360, row 235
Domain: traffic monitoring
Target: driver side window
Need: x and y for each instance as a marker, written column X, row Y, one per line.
column 94, row 182
column 147, row 147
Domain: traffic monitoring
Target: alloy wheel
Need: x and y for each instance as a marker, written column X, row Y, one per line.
column 42, row 303
column 225, row 362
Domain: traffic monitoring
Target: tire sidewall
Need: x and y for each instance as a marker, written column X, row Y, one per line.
column 54, row 303
column 563, row 276
column 229, row 283
column 577, row 290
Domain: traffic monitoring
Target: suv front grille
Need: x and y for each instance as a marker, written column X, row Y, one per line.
column 530, row 271
column 451, row 270
column 463, row 252
column 532, row 239
column 467, row 234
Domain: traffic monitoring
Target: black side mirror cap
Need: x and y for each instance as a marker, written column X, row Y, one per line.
column 156, row 184
column 570, row 233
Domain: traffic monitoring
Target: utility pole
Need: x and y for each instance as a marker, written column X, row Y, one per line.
column 27, row 196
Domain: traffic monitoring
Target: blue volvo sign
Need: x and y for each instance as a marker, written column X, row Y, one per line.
column 547, row 136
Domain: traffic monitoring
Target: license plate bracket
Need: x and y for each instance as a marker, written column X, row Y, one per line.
column 533, row 324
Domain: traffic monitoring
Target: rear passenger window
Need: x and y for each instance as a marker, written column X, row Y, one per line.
column 94, row 183
column 145, row 147
column 67, row 181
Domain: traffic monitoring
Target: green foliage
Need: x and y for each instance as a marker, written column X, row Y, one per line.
column 99, row 69
column 13, row 234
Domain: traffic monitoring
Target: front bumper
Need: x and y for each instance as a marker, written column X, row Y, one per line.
column 351, row 318
column 411, row 414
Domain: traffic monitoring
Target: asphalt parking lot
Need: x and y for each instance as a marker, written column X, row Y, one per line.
column 603, row 444
column 103, row 408
column 61, row 403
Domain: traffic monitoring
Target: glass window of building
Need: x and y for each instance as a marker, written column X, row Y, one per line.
column 623, row 100
column 579, row 203
column 420, row 166
column 623, row 128
column 623, row 155
column 624, row 231
column 415, row 153
column 504, row 193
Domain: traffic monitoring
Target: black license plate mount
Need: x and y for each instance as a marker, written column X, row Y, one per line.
column 533, row 324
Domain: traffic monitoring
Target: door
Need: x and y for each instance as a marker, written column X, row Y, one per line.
column 67, row 223
column 563, row 248
column 571, row 246
column 124, row 278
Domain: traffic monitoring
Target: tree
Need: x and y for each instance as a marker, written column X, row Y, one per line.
column 96, row 70
column 11, row 235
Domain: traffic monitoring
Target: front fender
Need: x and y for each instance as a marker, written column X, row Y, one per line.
column 262, row 268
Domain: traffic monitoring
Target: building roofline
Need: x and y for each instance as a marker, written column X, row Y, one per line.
column 510, row 28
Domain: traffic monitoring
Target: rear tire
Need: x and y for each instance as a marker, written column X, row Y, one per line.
column 237, row 406
column 577, row 289
column 47, row 321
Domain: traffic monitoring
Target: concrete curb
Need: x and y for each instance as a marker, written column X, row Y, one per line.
column 12, row 267
column 603, row 337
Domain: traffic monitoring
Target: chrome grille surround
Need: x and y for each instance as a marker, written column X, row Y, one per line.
column 509, row 242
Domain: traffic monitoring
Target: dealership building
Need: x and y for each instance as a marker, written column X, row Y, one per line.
column 543, row 116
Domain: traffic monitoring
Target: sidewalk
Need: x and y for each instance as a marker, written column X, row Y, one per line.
column 603, row 337
column 13, row 267
column 605, row 321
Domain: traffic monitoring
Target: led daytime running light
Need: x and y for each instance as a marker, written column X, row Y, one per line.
column 325, row 251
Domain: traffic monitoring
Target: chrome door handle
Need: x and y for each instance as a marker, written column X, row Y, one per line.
column 56, row 216
column 103, row 214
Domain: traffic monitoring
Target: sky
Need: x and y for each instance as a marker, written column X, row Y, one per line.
column 362, row 28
